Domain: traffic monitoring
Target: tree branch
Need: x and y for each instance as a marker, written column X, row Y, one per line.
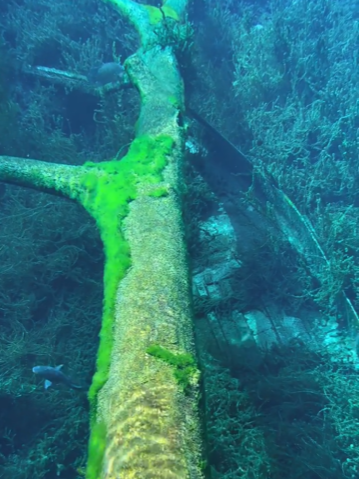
column 146, row 18
column 63, row 180
column 139, row 16
column 144, row 414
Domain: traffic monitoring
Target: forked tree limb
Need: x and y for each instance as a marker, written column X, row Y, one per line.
column 144, row 397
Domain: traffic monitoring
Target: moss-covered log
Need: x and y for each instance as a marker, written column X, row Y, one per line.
column 144, row 396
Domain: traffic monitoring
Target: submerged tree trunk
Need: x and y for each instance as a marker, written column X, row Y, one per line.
column 145, row 420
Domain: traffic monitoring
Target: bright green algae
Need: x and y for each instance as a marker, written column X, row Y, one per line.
column 108, row 188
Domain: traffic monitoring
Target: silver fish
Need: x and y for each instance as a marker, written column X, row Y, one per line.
column 110, row 72
column 54, row 375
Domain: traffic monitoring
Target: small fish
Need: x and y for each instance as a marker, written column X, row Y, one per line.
column 54, row 375
column 110, row 72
